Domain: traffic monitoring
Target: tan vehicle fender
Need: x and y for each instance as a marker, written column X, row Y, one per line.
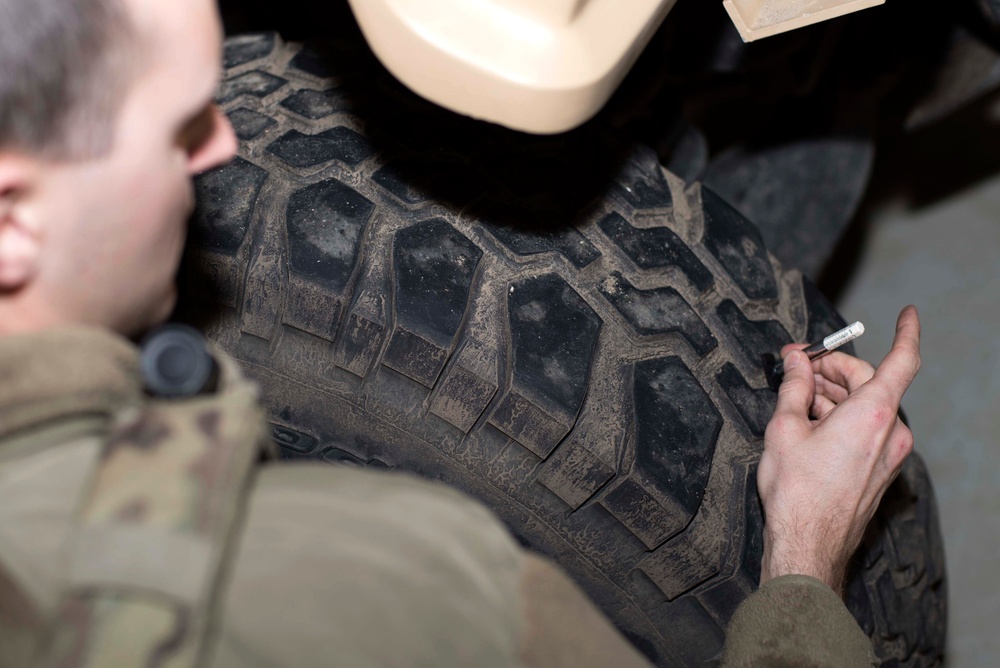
column 541, row 66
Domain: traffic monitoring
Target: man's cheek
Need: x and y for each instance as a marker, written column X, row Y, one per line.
column 185, row 198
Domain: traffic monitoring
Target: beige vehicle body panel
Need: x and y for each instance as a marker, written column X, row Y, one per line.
column 541, row 66
column 756, row 19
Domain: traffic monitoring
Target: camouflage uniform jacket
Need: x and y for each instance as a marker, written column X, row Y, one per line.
column 324, row 566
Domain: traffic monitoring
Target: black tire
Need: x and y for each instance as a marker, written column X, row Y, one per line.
column 555, row 325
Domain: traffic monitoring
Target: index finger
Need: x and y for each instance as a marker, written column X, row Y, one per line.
column 900, row 366
column 848, row 371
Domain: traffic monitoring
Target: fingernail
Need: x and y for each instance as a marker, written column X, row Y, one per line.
column 792, row 360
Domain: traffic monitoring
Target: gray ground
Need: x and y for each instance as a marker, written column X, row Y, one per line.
column 933, row 239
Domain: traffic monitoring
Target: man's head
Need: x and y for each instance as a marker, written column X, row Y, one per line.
column 105, row 115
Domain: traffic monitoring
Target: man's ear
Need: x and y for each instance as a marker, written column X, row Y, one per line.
column 20, row 238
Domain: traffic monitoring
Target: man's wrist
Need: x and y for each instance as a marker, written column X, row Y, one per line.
column 795, row 558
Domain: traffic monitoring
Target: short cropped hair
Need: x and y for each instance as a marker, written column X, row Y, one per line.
column 63, row 74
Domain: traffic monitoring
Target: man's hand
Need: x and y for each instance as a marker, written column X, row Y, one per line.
column 821, row 480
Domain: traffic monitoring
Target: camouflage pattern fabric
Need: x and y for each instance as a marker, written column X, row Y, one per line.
column 153, row 531
column 118, row 546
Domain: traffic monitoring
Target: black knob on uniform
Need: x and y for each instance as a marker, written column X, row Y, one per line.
column 175, row 362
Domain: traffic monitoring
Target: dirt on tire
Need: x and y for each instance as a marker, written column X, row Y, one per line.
column 555, row 325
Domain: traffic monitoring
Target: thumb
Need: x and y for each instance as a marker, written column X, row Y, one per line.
column 798, row 388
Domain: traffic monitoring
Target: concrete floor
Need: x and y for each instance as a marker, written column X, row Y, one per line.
column 930, row 235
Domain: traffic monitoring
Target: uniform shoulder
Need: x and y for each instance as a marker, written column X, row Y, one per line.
column 389, row 509
column 376, row 565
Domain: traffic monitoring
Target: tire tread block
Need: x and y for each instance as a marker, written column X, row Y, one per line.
column 312, row 308
column 256, row 83
column 658, row 311
column 358, row 342
column 248, row 124
column 434, row 268
column 243, row 49
column 553, row 335
column 932, row 612
column 301, row 150
column 677, row 427
column 859, row 605
column 755, row 406
column 315, row 104
column 315, row 61
column 754, row 337
column 641, row 181
column 462, row 396
column 656, row 248
column 528, row 424
column 898, row 623
column 652, row 518
column 389, row 178
column 566, row 241
column 679, row 566
column 737, row 245
column 414, row 356
column 753, row 532
column 574, row 474
column 225, row 202
column 263, row 298
column 722, row 599
column 393, row 178
column 326, row 222
column 698, row 637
